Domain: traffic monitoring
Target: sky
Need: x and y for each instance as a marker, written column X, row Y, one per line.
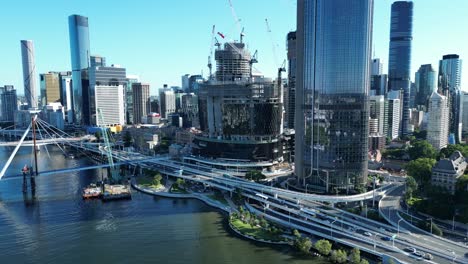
column 162, row 40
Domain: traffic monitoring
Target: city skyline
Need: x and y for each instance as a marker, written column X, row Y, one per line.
column 156, row 59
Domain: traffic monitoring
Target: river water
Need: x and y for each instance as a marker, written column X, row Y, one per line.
column 59, row 227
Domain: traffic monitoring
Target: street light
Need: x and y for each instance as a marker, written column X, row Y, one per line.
column 431, row 223
column 398, row 232
column 331, row 227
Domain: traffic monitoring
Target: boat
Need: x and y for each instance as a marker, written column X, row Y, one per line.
column 91, row 192
column 116, row 192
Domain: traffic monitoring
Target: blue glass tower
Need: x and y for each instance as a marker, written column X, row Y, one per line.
column 399, row 59
column 332, row 84
column 425, row 80
column 79, row 49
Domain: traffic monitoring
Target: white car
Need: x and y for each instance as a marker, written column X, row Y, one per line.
column 368, row 234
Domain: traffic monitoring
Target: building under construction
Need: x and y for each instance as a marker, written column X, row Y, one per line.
column 240, row 114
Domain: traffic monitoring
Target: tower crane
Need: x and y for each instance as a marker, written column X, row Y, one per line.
column 237, row 21
column 210, row 65
column 107, row 147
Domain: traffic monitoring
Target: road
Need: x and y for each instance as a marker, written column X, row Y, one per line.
column 390, row 206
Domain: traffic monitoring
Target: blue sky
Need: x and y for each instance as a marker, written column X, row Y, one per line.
column 162, row 40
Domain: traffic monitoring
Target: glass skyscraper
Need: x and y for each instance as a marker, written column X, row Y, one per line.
column 333, row 76
column 425, row 80
column 79, row 49
column 399, row 59
column 449, row 85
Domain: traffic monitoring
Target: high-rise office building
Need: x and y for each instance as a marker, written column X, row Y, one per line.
column 379, row 84
column 290, row 101
column 399, row 62
column 80, row 61
column 189, row 110
column 29, row 73
column 131, row 79
column 332, row 86
column 377, row 67
column 425, row 81
column 240, row 115
column 185, row 82
column 8, row 102
column 392, row 117
column 438, row 123
column 50, row 88
column 450, row 86
column 167, row 102
column 194, row 83
column 110, row 100
column 97, row 61
column 66, row 95
column 376, row 122
column 114, row 76
column 465, row 117
column 141, row 101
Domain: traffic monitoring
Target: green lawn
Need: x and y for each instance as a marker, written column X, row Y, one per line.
column 146, row 181
column 256, row 232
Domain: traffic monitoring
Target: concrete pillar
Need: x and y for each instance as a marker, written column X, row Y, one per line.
column 276, row 196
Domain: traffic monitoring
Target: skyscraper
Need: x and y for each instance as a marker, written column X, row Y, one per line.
column 141, row 101
column 79, row 50
column 29, row 72
column 290, row 101
column 50, row 88
column 399, row 63
column 167, row 103
column 449, row 85
column 377, row 67
column 437, row 127
column 332, row 86
column 8, row 102
column 131, row 79
column 425, row 80
column 114, row 76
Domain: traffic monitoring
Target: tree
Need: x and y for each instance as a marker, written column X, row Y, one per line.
column 411, row 186
column 338, row 256
column 303, row 244
column 355, row 256
column 420, row 169
column 296, row 234
column 364, row 261
column 98, row 135
column 263, row 223
column 157, row 179
column 323, row 246
column 421, row 149
column 450, row 149
column 127, row 139
column 255, row 175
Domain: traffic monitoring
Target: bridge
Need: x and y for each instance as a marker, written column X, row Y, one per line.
column 286, row 207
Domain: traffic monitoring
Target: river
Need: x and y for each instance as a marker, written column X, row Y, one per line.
column 59, row 227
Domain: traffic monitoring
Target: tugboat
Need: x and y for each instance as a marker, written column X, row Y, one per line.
column 92, row 191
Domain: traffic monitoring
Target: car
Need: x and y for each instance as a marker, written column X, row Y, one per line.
column 386, row 238
column 419, row 254
column 368, row 234
column 410, row 249
column 428, row 256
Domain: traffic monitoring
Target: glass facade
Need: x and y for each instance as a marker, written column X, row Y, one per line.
column 425, row 80
column 79, row 49
column 449, row 85
column 399, row 58
column 333, row 77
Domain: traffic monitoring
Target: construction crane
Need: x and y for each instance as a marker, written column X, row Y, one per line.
column 253, row 60
column 107, row 147
column 237, row 21
column 210, row 65
column 272, row 42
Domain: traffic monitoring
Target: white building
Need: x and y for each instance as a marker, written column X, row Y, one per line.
column 392, row 109
column 438, row 123
column 447, row 171
column 167, row 102
column 377, row 67
column 110, row 99
column 55, row 115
